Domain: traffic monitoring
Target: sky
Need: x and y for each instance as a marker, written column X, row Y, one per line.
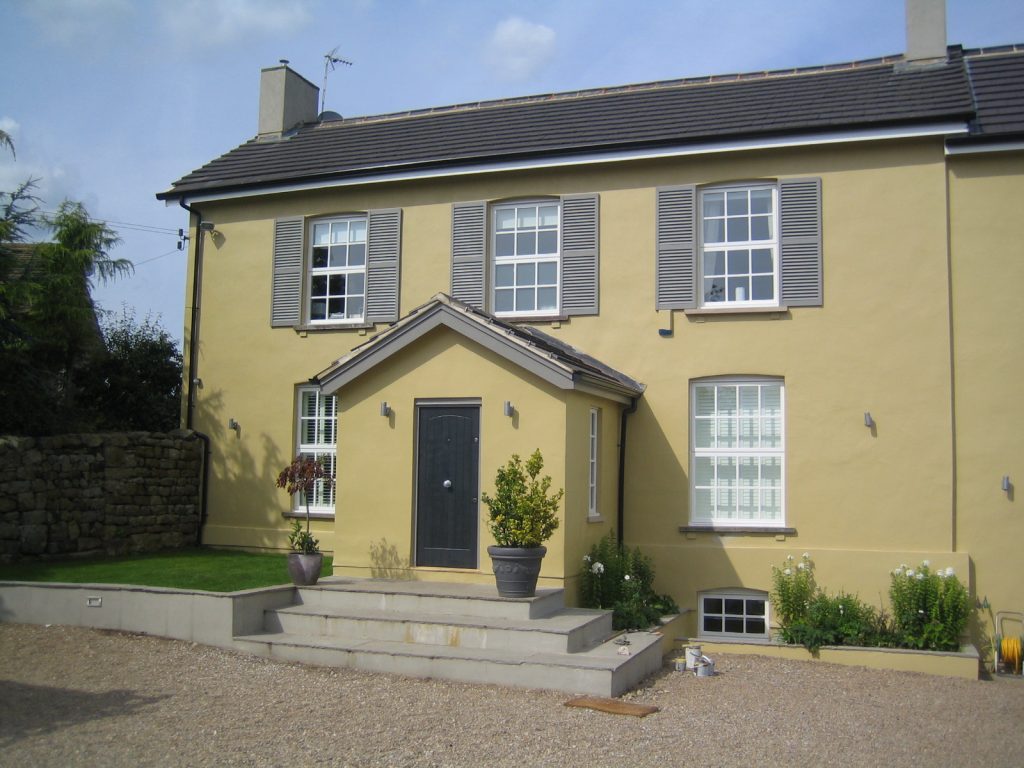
column 110, row 101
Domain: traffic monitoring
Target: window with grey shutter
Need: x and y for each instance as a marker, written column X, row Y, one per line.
column 580, row 260
column 286, row 288
column 383, row 265
column 469, row 247
column 800, row 242
column 676, row 251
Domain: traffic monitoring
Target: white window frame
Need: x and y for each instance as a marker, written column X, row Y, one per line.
column 777, row 452
column 746, row 595
column 516, row 260
column 749, row 244
column 593, row 464
column 324, row 446
column 327, row 272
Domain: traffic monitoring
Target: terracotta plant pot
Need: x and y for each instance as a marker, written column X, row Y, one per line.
column 516, row 569
column 304, row 569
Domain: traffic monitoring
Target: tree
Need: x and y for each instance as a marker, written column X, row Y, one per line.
column 136, row 383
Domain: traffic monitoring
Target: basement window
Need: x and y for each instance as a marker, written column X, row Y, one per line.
column 739, row 613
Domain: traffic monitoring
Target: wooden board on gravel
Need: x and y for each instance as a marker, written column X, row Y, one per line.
column 612, row 706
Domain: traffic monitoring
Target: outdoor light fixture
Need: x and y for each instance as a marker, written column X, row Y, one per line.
column 385, row 409
column 1006, row 483
column 206, row 226
column 868, row 421
column 510, row 410
column 232, row 424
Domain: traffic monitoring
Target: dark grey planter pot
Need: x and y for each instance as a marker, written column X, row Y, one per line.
column 304, row 569
column 516, row 569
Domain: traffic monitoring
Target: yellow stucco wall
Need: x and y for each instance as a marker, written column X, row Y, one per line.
column 861, row 500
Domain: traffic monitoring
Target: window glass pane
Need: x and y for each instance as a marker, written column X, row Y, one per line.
column 704, row 433
column 338, row 255
column 526, row 244
column 714, row 263
column 527, row 217
column 738, row 289
column 734, row 606
column 547, row 241
column 727, row 469
column 762, row 288
column 760, row 201
column 712, row 624
column 712, row 605
column 319, row 285
column 549, row 215
column 504, row 275
column 504, row 218
column 737, row 204
column 714, row 289
column 749, row 400
column 339, row 232
column 755, row 607
column 357, row 231
column 703, row 471
column 726, row 433
column 702, row 504
column 321, row 234
column 505, row 245
column 547, row 273
column 714, row 204
column 771, row 400
column 761, row 261
column 547, row 298
column 727, row 400
column 526, row 274
column 704, row 400
column 355, row 307
column 317, row 310
column 503, row 301
column 761, row 228
column 356, row 255
column 725, row 499
column 355, row 283
column 714, row 230
column 755, row 626
column 739, row 262
column 748, row 469
column 738, row 230
column 337, row 285
column 336, row 309
column 524, row 299
column 319, row 258
column 771, row 471
column 734, row 625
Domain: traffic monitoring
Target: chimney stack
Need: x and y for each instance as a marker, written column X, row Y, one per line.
column 926, row 31
column 287, row 100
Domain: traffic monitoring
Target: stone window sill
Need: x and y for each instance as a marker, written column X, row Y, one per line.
column 737, row 530
column 313, row 515
column 737, row 310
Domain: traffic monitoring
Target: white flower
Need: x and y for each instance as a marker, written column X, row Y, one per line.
column 910, row 571
column 788, row 571
column 949, row 571
column 801, row 566
column 896, row 572
column 789, row 558
column 920, row 576
column 597, row 568
column 920, row 611
column 806, row 555
column 925, row 563
column 626, row 577
column 840, row 610
column 903, row 566
column 586, row 558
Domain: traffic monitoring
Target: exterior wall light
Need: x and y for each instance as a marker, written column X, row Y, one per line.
column 1007, row 485
column 510, row 410
column 232, row 424
column 868, row 421
column 385, row 409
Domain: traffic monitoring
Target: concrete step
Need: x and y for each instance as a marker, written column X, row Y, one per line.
column 599, row 671
column 569, row 630
column 338, row 594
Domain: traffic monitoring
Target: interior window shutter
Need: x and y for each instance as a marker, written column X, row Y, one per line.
column 800, row 242
column 469, row 249
column 286, row 288
column 580, row 261
column 383, row 264
column 676, row 248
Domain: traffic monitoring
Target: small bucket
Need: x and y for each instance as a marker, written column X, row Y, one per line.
column 693, row 656
column 705, row 667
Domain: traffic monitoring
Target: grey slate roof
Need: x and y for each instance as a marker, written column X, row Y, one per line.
column 570, row 366
column 857, row 95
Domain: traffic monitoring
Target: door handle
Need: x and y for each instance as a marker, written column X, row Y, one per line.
column 447, row 483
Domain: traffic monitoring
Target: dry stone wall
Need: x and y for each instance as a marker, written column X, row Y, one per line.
column 117, row 493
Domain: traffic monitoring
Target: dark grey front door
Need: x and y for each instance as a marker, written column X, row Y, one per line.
column 446, row 485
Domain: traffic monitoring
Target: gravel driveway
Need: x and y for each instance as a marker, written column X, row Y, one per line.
column 72, row 696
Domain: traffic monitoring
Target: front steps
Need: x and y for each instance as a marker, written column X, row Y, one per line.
column 457, row 632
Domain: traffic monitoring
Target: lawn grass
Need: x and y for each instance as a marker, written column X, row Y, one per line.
column 209, row 570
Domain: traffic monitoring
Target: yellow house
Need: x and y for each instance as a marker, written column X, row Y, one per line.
column 742, row 318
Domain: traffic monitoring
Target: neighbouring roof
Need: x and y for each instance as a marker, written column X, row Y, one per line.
column 982, row 86
column 552, row 360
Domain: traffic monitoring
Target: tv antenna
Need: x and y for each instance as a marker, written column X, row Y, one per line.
column 331, row 60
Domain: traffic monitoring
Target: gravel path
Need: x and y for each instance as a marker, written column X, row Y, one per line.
column 72, row 696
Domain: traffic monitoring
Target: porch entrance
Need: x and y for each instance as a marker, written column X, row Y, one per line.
column 447, row 485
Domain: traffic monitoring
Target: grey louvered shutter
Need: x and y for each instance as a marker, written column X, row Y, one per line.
column 580, row 260
column 286, row 289
column 383, row 264
column 676, row 248
column 469, row 247
column 800, row 242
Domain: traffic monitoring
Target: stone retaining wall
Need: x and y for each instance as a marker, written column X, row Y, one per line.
column 117, row 493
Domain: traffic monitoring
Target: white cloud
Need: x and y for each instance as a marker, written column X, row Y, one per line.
column 69, row 21
column 518, row 48
column 217, row 22
column 9, row 125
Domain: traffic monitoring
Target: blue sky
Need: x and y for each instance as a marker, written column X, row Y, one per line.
column 109, row 101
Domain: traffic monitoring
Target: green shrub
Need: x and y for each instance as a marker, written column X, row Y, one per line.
column 929, row 609
column 522, row 514
column 622, row 580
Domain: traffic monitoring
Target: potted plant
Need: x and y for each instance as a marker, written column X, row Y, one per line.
column 306, row 559
column 522, row 517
